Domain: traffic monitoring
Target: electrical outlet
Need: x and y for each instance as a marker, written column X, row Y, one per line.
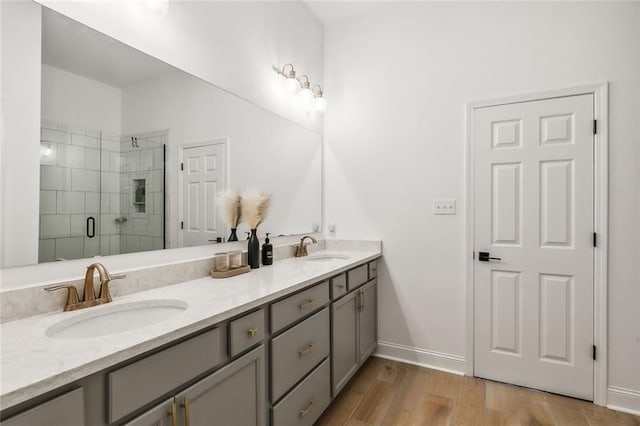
column 444, row 206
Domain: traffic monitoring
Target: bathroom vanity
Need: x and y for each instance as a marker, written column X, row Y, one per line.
column 272, row 347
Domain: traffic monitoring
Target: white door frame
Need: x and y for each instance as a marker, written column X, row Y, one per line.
column 225, row 149
column 601, row 206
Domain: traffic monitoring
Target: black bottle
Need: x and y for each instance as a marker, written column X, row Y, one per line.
column 253, row 250
column 267, row 252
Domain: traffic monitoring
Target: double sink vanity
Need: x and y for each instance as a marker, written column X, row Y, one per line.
column 272, row 347
column 167, row 344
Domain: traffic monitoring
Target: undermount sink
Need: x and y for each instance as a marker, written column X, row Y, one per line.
column 326, row 257
column 112, row 319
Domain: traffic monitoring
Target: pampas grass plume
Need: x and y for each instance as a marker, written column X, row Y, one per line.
column 229, row 203
column 255, row 205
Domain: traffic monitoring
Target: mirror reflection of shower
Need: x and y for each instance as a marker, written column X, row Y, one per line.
column 101, row 193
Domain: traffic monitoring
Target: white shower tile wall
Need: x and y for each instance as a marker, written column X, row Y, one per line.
column 110, row 208
column 142, row 160
column 70, row 186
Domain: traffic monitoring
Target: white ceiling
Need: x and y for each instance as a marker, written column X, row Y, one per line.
column 73, row 47
column 332, row 11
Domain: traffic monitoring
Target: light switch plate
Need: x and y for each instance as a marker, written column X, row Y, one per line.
column 447, row 206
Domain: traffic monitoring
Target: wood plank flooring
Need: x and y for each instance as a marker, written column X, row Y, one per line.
column 387, row 392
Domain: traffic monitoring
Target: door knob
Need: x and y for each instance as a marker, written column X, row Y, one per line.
column 484, row 256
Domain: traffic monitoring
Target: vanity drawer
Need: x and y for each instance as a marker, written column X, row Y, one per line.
column 246, row 331
column 295, row 352
column 306, row 401
column 373, row 269
column 67, row 409
column 143, row 381
column 357, row 276
column 298, row 306
column 338, row 286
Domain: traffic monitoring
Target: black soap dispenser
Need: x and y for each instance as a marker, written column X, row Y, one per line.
column 267, row 252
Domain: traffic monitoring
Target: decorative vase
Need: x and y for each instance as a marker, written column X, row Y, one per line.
column 233, row 236
column 253, row 254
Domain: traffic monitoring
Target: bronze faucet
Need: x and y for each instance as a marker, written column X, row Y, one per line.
column 73, row 301
column 301, row 249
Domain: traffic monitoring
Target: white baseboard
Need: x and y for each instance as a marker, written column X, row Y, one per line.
column 421, row 357
column 625, row 400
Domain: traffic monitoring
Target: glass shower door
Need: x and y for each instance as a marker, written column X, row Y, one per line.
column 69, row 192
column 101, row 193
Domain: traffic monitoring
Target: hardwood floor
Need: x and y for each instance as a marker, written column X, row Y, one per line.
column 392, row 393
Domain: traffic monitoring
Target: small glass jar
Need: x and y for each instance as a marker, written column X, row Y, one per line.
column 235, row 259
column 221, row 262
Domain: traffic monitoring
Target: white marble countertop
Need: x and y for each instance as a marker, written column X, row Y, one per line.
column 32, row 363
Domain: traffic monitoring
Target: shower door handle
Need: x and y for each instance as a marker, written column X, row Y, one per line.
column 91, row 227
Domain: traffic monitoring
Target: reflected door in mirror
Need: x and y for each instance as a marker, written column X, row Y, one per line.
column 203, row 175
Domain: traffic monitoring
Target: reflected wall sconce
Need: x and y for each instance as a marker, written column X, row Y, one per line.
column 292, row 83
column 311, row 99
column 306, row 94
column 320, row 101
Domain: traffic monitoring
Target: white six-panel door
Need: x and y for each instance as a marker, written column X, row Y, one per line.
column 534, row 212
column 203, row 177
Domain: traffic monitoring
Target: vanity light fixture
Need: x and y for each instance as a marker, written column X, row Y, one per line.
column 292, row 83
column 311, row 99
column 306, row 94
column 320, row 100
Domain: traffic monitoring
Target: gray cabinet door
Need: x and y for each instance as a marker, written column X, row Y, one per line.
column 344, row 329
column 234, row 395
column 67, row 410
column 368, row 326
column 160, row 415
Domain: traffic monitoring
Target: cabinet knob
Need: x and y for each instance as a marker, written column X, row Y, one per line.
column 252, row 332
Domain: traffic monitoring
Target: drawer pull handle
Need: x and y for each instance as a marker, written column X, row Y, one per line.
column 185, row 404
column 340, row 286
column 174, row 415
column 306, row 350
column 307, row 304
column 252, row 332
column 311, row 404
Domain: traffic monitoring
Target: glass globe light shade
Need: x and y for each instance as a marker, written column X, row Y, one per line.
column 307, row 97
column 321, row 104
column 292, row 84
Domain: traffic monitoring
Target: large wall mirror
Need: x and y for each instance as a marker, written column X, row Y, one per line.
column 134, row 151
